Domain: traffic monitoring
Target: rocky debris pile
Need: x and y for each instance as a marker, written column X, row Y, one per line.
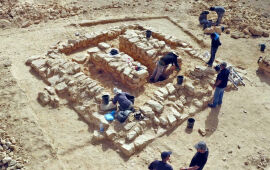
column 24, row 14
column 260, row 160
column 264, row 64
column 122, row 67
column 246, row 19
column 9, row 149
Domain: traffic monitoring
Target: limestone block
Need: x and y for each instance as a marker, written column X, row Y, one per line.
column 142, row 74
column 43, row 98
column 50, row 90
column 170, row 87
column 61, row 87
column 31, row 59
column 189, row 87
column 79, row 59
column 127, row 71
column 130, row 125
column 103, row 46
column 127, row 149
column 264, row 64
column 107, row 107
column 163, row 121
column 176, row 114
column 184, row 117
column 198, row 103
column 93, row 50
column 156, row 120
column 171, row 119
column 192, row 110
column 134, row 40
column 155, row 106
column 138, row 130
column 164, row 91
column 143, row 140
column 159, row 95
column 53, row 80
column 110, row 133
column 97, row 136
column 55, row 101
column 172, row 98
column 132, row 135
column 38, row 64
column 151, row 53
column 162, row 44
column 209, row 30
column 147, row 111
column 77, row 75
column 255, row 31
column 98, row 118
column 80, row 109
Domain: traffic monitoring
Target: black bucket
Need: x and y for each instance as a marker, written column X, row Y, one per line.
column 263, row 46
column 190, row 123
column 105, row 99
column 180, row 79
column 148, row 34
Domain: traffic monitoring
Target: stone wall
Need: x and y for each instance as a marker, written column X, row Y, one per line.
column 148, row 52
column 121, row 66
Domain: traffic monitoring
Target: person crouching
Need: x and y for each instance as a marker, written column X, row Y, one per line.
column 123, row 99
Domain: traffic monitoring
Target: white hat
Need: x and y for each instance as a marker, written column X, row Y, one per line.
column 116, row 91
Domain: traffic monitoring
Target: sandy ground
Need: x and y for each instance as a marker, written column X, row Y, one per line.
column 60, row 139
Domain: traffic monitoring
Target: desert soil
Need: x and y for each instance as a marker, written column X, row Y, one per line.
column 238, row 133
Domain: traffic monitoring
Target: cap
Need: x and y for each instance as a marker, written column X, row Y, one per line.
column 201, row 145
column 224, row 64
column 165, row 154
column 116, row 91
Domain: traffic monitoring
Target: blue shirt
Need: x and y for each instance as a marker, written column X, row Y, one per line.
column 159, row 165
column 219, row 9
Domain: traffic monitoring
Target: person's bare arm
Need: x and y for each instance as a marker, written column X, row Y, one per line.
column 217, row 83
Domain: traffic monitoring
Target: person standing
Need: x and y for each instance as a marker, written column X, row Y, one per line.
column 162, row 64
column 200, row 158
column 215, row 43
column 161, row 165
column 220, row 12
column 220, row 85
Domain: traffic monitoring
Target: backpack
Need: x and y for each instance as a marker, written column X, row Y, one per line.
column 123, row 115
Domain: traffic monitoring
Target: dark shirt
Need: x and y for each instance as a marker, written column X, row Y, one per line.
column 159, row 165
column 169, row 59
column 122, row 99
column 203, row 16
column 215, row 42
column 219, row 9
column 199, row 159
column 223, row 75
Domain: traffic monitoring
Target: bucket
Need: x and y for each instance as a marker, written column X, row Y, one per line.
column 148, row 34
column 190, row 123
column 105, row 99
column 180, row 79
column 262, row 47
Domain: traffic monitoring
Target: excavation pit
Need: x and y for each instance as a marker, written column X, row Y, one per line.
column 70, row 69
